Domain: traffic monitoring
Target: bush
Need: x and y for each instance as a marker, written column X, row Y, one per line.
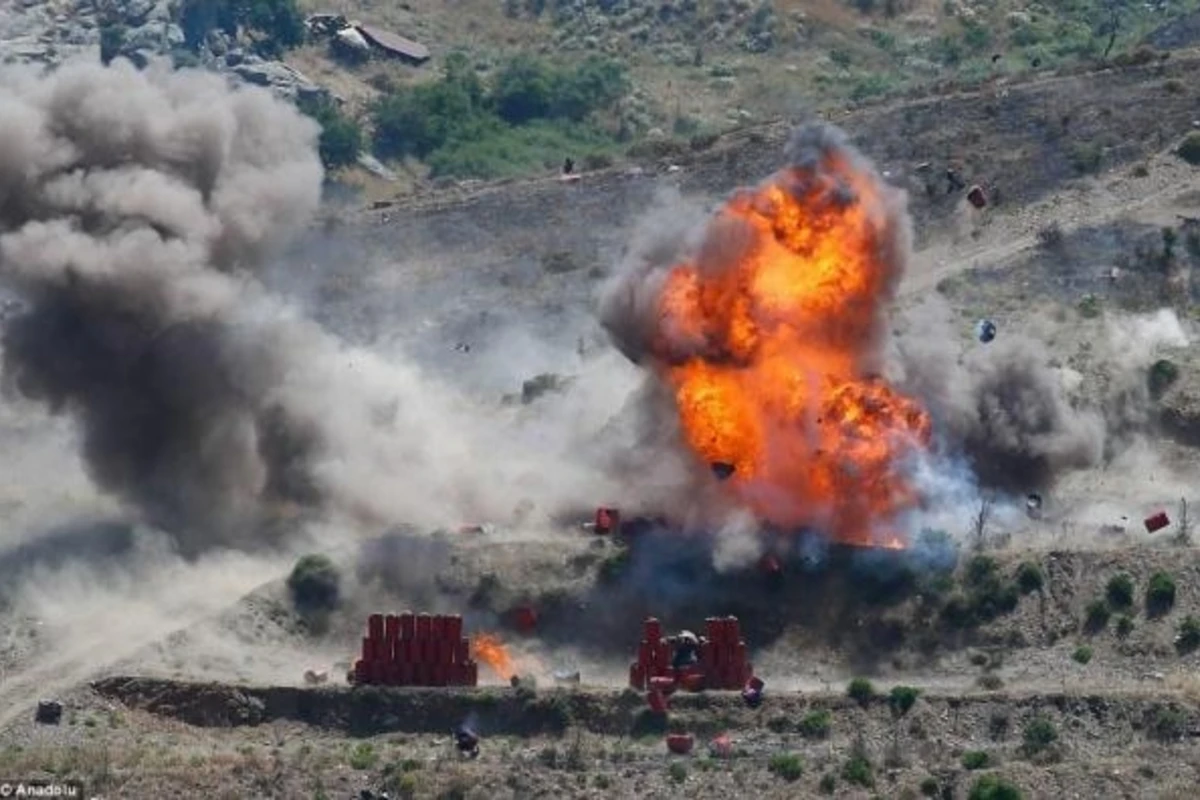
column 1189, row 149
column 1085, row 158
column 1030, row 578
column 1096, row 616
column 1188, row 638
column 112, row 39
column 975, row 759
column 677, row 772
column 1167, row 724
column 1089, row 306
column 787, row 766
column 1120, row 592
column 279, row 25
column 993, row 787
column 828, row 784
column 816, row 724
column 1124, row 625
column 861, row 690
column 991, row 682
column 1162, row 374
column 363, row 756
column 341, row 137
column 315, row 584
column 1082, row 654
column 858, row 770
column 902, row 698
column 930, row 787
column 1160, row 594
column 1038, row 735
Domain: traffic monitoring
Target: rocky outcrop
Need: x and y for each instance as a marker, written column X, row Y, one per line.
column 53, row 31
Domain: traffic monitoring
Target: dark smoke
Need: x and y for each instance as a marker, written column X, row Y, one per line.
column 131, row 205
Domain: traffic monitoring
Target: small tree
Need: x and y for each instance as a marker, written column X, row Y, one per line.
column 315, row 584
column 861, row 690
column 1160, row 594
column 1189, row 149
column 1120, row 592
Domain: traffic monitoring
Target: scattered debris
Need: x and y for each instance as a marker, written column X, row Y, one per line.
column 569, row 678
column 1033, row 504
column 314, row 678
column 404, row 49
column 674, row 168
column 462, row 347
column 721, row 746
column 376, row 167
column 477, row 529
column 1157, row 522
column 467, row 741
column 680, row 743
column 985, row 329
column 568, row 166
column 954, row 183
column 723, row 469
column 49, row 712
column 769, row 565
column 608, row 520
column 752, row 692
column 657, row 701
column 525, row 618
column 976, row 197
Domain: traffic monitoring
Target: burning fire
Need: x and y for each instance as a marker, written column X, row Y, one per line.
column 768, row 339
column 488, row 648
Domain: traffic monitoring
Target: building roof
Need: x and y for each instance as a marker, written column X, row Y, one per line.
column 393, row 43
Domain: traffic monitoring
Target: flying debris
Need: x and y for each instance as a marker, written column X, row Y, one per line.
column 985, row 329
column 1033, row 505
column 1157, row 522
column 723, row 470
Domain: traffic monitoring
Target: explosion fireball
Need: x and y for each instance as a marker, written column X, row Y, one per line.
column 770, row 338
column 491, row 651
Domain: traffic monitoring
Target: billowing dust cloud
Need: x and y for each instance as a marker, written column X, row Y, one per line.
column 130, row 206
column 771, row 337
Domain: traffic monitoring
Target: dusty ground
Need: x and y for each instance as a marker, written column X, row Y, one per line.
column 1124, row 720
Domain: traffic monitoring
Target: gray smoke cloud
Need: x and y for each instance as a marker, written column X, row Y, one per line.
column 134, row 206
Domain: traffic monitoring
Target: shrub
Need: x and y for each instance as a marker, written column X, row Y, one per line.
column 1160, row 594
column 993, row 787
column 112, row 39
column 787, row 766
column 902, row 698
column 858, row 770
column 1085, row 157
column 1124, row 625
column 975, row 759
column 1089, row 306
column 1162, row 374
column 816, row 724
column 1120, row 592
column 861, row 690
column 1082, row 654
column 1030, row 578
column 991, row 682
column 930, row 787
column 315, row 584
column 1050, row 236
column 341, row 137
column 1189, row 149
column 1188, row 638
column 828, row 784
column 677, row 772
column 278, row 23
column 363, row 756
column 1039, row 734
column 1096, row 616
column 1167, row 724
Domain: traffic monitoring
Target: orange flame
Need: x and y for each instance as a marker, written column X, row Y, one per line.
column 769, row 341
column 488, row 648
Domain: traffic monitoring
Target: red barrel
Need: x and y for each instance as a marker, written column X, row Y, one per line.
column 462, row 651
column 391, row 627
column 525, row 618
column 739, row 656
column 608, row 520
column 406, row 675
column 680, row 743
column 693, row 681
column 472, row 674
column 437, row 674
column 712, row 629
column 652, row 629
column 657, row 701
column 424, row 626
column 404, row 651
column 637, row 676
column 368, row 650
column 408, row 623
column 360, row 671
column 755, row 683
column 375, row 626
column 645, row 654
column 454, row 627
column 662, row 655
column 440, row 628
column 748, row 672
column 1157, row 522
column 446, row 650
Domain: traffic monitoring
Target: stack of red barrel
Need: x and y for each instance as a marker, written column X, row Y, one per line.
column 723, row 656
column 416, row 650
column 723, row 663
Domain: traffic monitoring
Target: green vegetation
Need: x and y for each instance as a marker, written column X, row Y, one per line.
column 993, row 787
column 112, row 39
column 529, row 116
column 787, row 766
column 1167, row 724
column 1038, row 735
column 1160, row 594
column 1030, row 578
column 988, row 595
column 816, row 724
column 363, row 756
column 1119, row 592
column 1124, row 625
column 1188, row 638
column 930, row 787
column 341, row 137
column 1089, row 306
column 828, row 784
column 614, row 566
column 1086, row 157
column 1096, row 616
column 1162, row 374
column 677, row 772
column 275, row 25
column 861, row 690
column 857, row 769
column 975, row 759
column 902, row 698
column 314, row 585
column 1082, row 654
column 1189, row 149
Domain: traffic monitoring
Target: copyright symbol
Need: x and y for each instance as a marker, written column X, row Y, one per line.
column 6, row 790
